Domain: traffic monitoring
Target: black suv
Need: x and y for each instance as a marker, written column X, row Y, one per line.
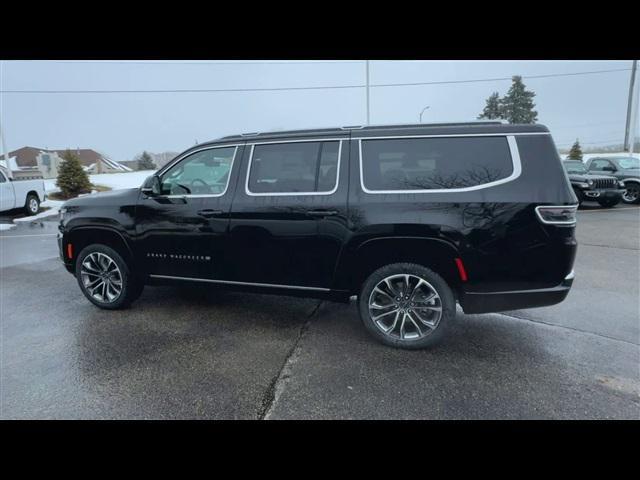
column 625, row 169
column 410, row 219
column 604, row 189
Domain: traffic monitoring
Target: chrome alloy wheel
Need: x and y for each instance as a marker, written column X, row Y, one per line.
column 33, row 205
column 101, row 277
column 631, row 193
column 405, row 307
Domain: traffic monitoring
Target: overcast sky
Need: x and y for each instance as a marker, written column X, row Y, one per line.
column 121, row 125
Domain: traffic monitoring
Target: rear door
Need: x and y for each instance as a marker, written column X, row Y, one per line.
column 289, row 215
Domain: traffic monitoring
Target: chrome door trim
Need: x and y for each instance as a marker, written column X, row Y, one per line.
column 250, row 284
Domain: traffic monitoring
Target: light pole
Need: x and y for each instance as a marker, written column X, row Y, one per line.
column 367, row 82
column 423, row 112
column 628, row 133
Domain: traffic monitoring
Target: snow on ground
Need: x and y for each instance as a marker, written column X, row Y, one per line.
column 6, row 226
column 53, row 209
column 114, row 181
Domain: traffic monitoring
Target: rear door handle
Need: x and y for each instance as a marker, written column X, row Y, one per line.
column 322, row 213
column 209, row 212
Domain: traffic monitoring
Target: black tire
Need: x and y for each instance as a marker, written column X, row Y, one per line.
column 609, row 202
column 32, row 205
column 131, row 288
column 632, row 193
column 434, row 281
column 580, row 196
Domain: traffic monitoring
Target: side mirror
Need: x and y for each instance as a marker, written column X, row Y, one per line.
column 151, row 186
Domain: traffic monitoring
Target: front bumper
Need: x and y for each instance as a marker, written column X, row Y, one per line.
column 488, row 302
column 603, row 193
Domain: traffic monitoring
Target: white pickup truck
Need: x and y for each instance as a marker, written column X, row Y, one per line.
column 25, row 194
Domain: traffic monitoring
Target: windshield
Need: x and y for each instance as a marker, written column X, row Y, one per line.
column 574, row 167
column 629, row 163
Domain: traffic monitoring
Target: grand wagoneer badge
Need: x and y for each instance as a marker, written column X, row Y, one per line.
column 179, row 256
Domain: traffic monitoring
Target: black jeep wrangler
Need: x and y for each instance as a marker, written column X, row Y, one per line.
column 604, row 189
column 410, row 219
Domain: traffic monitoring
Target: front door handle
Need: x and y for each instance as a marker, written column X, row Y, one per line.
column 209, row 212
column 322, row 213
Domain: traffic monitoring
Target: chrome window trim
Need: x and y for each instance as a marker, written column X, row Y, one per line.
column 192, row 152
column 513, row 149
column 293, row 194
column 231, row 282
column 495, row 134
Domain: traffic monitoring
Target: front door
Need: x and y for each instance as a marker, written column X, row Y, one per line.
column 288, row 219
column 182, row 231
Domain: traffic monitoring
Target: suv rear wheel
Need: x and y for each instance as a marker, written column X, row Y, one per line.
column 406, row 305
column 105, row 279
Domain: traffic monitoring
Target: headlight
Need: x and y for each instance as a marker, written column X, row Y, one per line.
column 589, row 182
column 583, row 185
column 63, row 210
column 621, row 184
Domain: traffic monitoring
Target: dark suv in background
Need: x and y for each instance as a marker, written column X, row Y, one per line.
column 626, row 169
column 604, row 189
column 410, row 219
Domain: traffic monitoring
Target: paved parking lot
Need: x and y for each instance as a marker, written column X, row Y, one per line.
column 188, row 353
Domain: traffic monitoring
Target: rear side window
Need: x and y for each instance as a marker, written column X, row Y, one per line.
column 294, row 168
column 434, row 163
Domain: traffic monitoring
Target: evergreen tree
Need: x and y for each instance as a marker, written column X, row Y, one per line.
column 517, row 104
column 493, row 108
column 145, row 162
column 72, row 179
column 576, row 152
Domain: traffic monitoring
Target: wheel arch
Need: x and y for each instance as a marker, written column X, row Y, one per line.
column 34, row 193
column 436, row 254
column 82, row 236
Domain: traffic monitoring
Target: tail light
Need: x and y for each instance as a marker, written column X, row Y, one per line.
column 557, row 214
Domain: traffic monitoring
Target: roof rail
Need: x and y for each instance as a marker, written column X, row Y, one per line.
column 250, row 134
column 352, row 127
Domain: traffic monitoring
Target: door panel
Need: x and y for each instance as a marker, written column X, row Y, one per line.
column 290, row 238
column 7, row 200
column 183, row 232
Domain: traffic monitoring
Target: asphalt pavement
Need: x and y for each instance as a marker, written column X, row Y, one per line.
column 192, row 352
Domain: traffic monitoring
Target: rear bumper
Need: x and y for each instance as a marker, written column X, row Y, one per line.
column 485, row 302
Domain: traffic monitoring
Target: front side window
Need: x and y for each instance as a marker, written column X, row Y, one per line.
column 2, row 180
column 434, row 163
column 202, row 173
column 599, row 164
column 293, row 168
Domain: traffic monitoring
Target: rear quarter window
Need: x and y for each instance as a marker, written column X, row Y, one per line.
column 410, row 164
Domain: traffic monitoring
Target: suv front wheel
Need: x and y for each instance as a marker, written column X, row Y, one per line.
column 105, row 279
column 406, row 305
column 632, row 193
